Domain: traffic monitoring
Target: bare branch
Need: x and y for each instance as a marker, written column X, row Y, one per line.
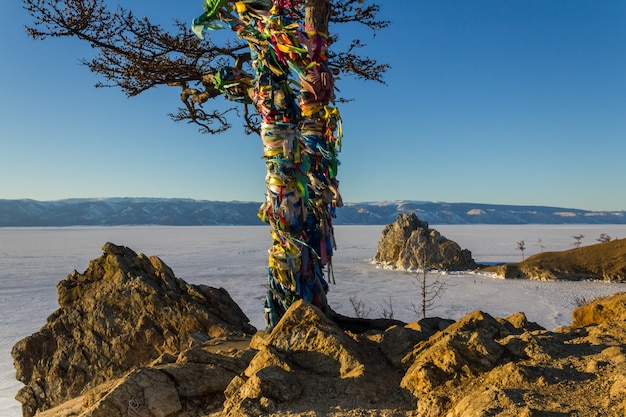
column 363, row 68
column 356, row 11
column 359, row 307
column 205, row 120
column 136, row 55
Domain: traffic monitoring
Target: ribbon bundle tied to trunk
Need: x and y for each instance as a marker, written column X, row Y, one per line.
column 292, row 89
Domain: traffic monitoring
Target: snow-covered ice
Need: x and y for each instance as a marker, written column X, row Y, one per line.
column 34, row 260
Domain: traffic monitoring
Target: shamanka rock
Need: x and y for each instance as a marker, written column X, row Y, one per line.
column 409, row 243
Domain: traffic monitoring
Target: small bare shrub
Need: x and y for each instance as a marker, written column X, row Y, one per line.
column 521, row 246
column 578, row 240
column 360, row 311
column 541, row 245
column 387, row 309
column 580, row 301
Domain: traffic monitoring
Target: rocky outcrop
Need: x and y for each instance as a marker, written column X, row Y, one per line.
column 409, row 243
column 477, row 366
column 189, row 383
column 603, row 261
column 308, row 361
column 507, row 271
column 601, row 311
column 124, row 311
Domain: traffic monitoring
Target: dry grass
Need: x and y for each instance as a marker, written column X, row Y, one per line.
column 607, row 259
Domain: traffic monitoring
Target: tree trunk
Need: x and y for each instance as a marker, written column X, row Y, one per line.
column 317, row 15
column 300, row 148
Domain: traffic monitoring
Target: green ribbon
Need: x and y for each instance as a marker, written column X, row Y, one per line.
column 206, row 20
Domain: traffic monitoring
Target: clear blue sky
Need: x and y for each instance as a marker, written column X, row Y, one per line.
column 490, row 101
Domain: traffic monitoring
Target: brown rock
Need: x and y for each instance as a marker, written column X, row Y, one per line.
column 125, row 310
column 510, row 375
column 144, row 389
column 195, row 384
column 520, row 322
column 510, row 271
column 618, row 387
column 308, row 361
column 465, row 348
column 398, row 341
column 314, row 342
column 271, row 382
column 603, row 310
column 491, row 401
column 409, row 243
column 541, row 345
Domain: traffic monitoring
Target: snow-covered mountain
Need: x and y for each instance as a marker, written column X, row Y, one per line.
column 188, row 212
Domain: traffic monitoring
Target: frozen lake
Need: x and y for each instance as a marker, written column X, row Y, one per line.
column 34, row 260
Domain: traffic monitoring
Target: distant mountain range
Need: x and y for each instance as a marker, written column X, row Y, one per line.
column 188, row 212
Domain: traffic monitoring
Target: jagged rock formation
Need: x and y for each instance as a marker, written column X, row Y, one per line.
column 601, row 311
column 603, row 261
column 126, row 310
column 309, row 366
column 409, row 243
column 306, row 358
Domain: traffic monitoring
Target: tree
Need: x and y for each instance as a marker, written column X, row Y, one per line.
column 604, row 238
column 578, row 240
column 136, row 55
column 521, row 246
column 280, row 70
column 429, row 291
column 541, row 245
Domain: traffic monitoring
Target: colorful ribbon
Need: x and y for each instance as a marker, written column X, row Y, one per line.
column 301, row 134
